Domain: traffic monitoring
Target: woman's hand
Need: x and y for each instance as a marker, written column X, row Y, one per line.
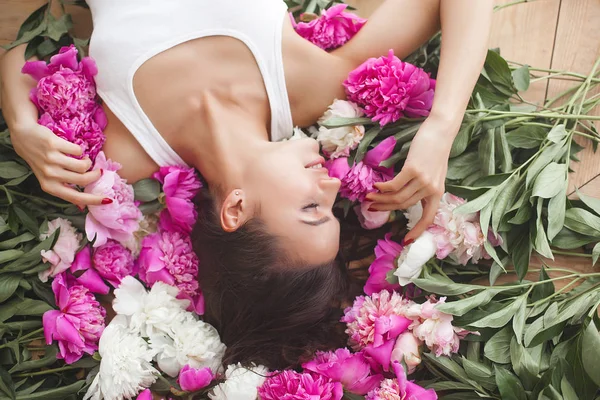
column 50, row 159
column 423, row 176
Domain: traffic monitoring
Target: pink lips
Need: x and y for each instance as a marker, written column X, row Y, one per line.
column 319, row 160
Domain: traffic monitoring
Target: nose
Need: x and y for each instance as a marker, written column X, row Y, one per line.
column 330, row 186
column 313, row 144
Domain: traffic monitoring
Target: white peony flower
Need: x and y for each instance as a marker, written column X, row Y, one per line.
column 191, row 342
column 149, row 312
column 413, row 214
column 338, row 142
column 61, row 256
column 414, row 256
column 298, row 133
column 126, row 365
column 240, row 384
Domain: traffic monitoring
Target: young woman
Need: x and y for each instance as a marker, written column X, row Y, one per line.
column 216, row 85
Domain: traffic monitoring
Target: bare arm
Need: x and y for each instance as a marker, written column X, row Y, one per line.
column 465, row 31
column 48, row 155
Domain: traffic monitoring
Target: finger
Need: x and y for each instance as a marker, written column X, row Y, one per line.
column 66, row 147
column 76, row 197
column 414, row 199
column 73, row 164
column 395, row 206
column 397, row 183
column 397, row 197
column 78, row 179
column 429, row 210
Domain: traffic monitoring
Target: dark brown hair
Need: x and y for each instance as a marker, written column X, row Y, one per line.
column 268, row 309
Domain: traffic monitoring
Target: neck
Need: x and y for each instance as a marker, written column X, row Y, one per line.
column 233, row 138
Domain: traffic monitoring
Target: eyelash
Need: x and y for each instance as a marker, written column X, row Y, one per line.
column 311, row 205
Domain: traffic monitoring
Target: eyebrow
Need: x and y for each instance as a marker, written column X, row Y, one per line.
column 317, row 222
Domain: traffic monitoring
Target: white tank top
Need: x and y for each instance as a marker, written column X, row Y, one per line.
column 128, row 33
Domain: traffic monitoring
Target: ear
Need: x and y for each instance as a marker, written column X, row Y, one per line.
column 234, row 211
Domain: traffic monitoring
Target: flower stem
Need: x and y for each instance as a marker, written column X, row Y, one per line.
column 564, row 288
column 47, row 371
column 570, row 253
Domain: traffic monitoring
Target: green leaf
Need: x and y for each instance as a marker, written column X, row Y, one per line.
column 524, row 364
column 521, row 78
column 567, row 239
column 478, row 203
column 520, row 249
column 26, row 219
column 509, row 386
column 11, row 243
column 12, row 169
column 504, row 202
column 501, row 317
column 541, row 241
column 397, row 156
column 478, row 372
column 556, row 212
column 6, row 384
column 557, row 134
column 503, row 150
column 462, row 140
column 495, row 271
column 487, row 152
column 499, row 73
column 338, row 122
column 567, row 390
column 497, row 349
column 8, row 284
column 591, row 202
column 9, row 255
column 550, row 181
column 452, row 368
column 32, row 257
column 527, row 136
column 23, row 307
column 448, row 385
column 461, row 307
column 48, row 359
column 595, row 253
column 363, row 146
column 591, row 352
column 33, row 21
column 462, row 166
column 146, row 189
column 444, row 286
column 59, row 393
column 582, row 221
column 58, row 27
column 518, row 322
column 544, row 290
column 546, row 157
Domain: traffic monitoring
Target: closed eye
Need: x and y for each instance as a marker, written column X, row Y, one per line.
column 309, row 206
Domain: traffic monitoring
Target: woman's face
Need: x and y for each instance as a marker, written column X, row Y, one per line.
column 292, row 193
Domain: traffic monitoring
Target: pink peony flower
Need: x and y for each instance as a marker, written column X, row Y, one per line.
column 407, row 349
column 352, row 370
column 371, row 219
column 332, row 29
column 386, row 253
column 65, row 86
column 180, row 186
column 292, row 385
column 435, row 328
column 84, row 129
column 389, row 89
column 89, row 278
column 374, row 322
column 167, row 256
column 77, row 324
column 458, row 236
column 193, row 379
column 61, row 256
column 113, row 262
column 358, row 180
column 400, row 388
column 145, row 395
column 117, row 220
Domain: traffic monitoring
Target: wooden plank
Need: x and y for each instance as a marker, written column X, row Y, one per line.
column 577, row 49
column 13, row 14
column 525, row 34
